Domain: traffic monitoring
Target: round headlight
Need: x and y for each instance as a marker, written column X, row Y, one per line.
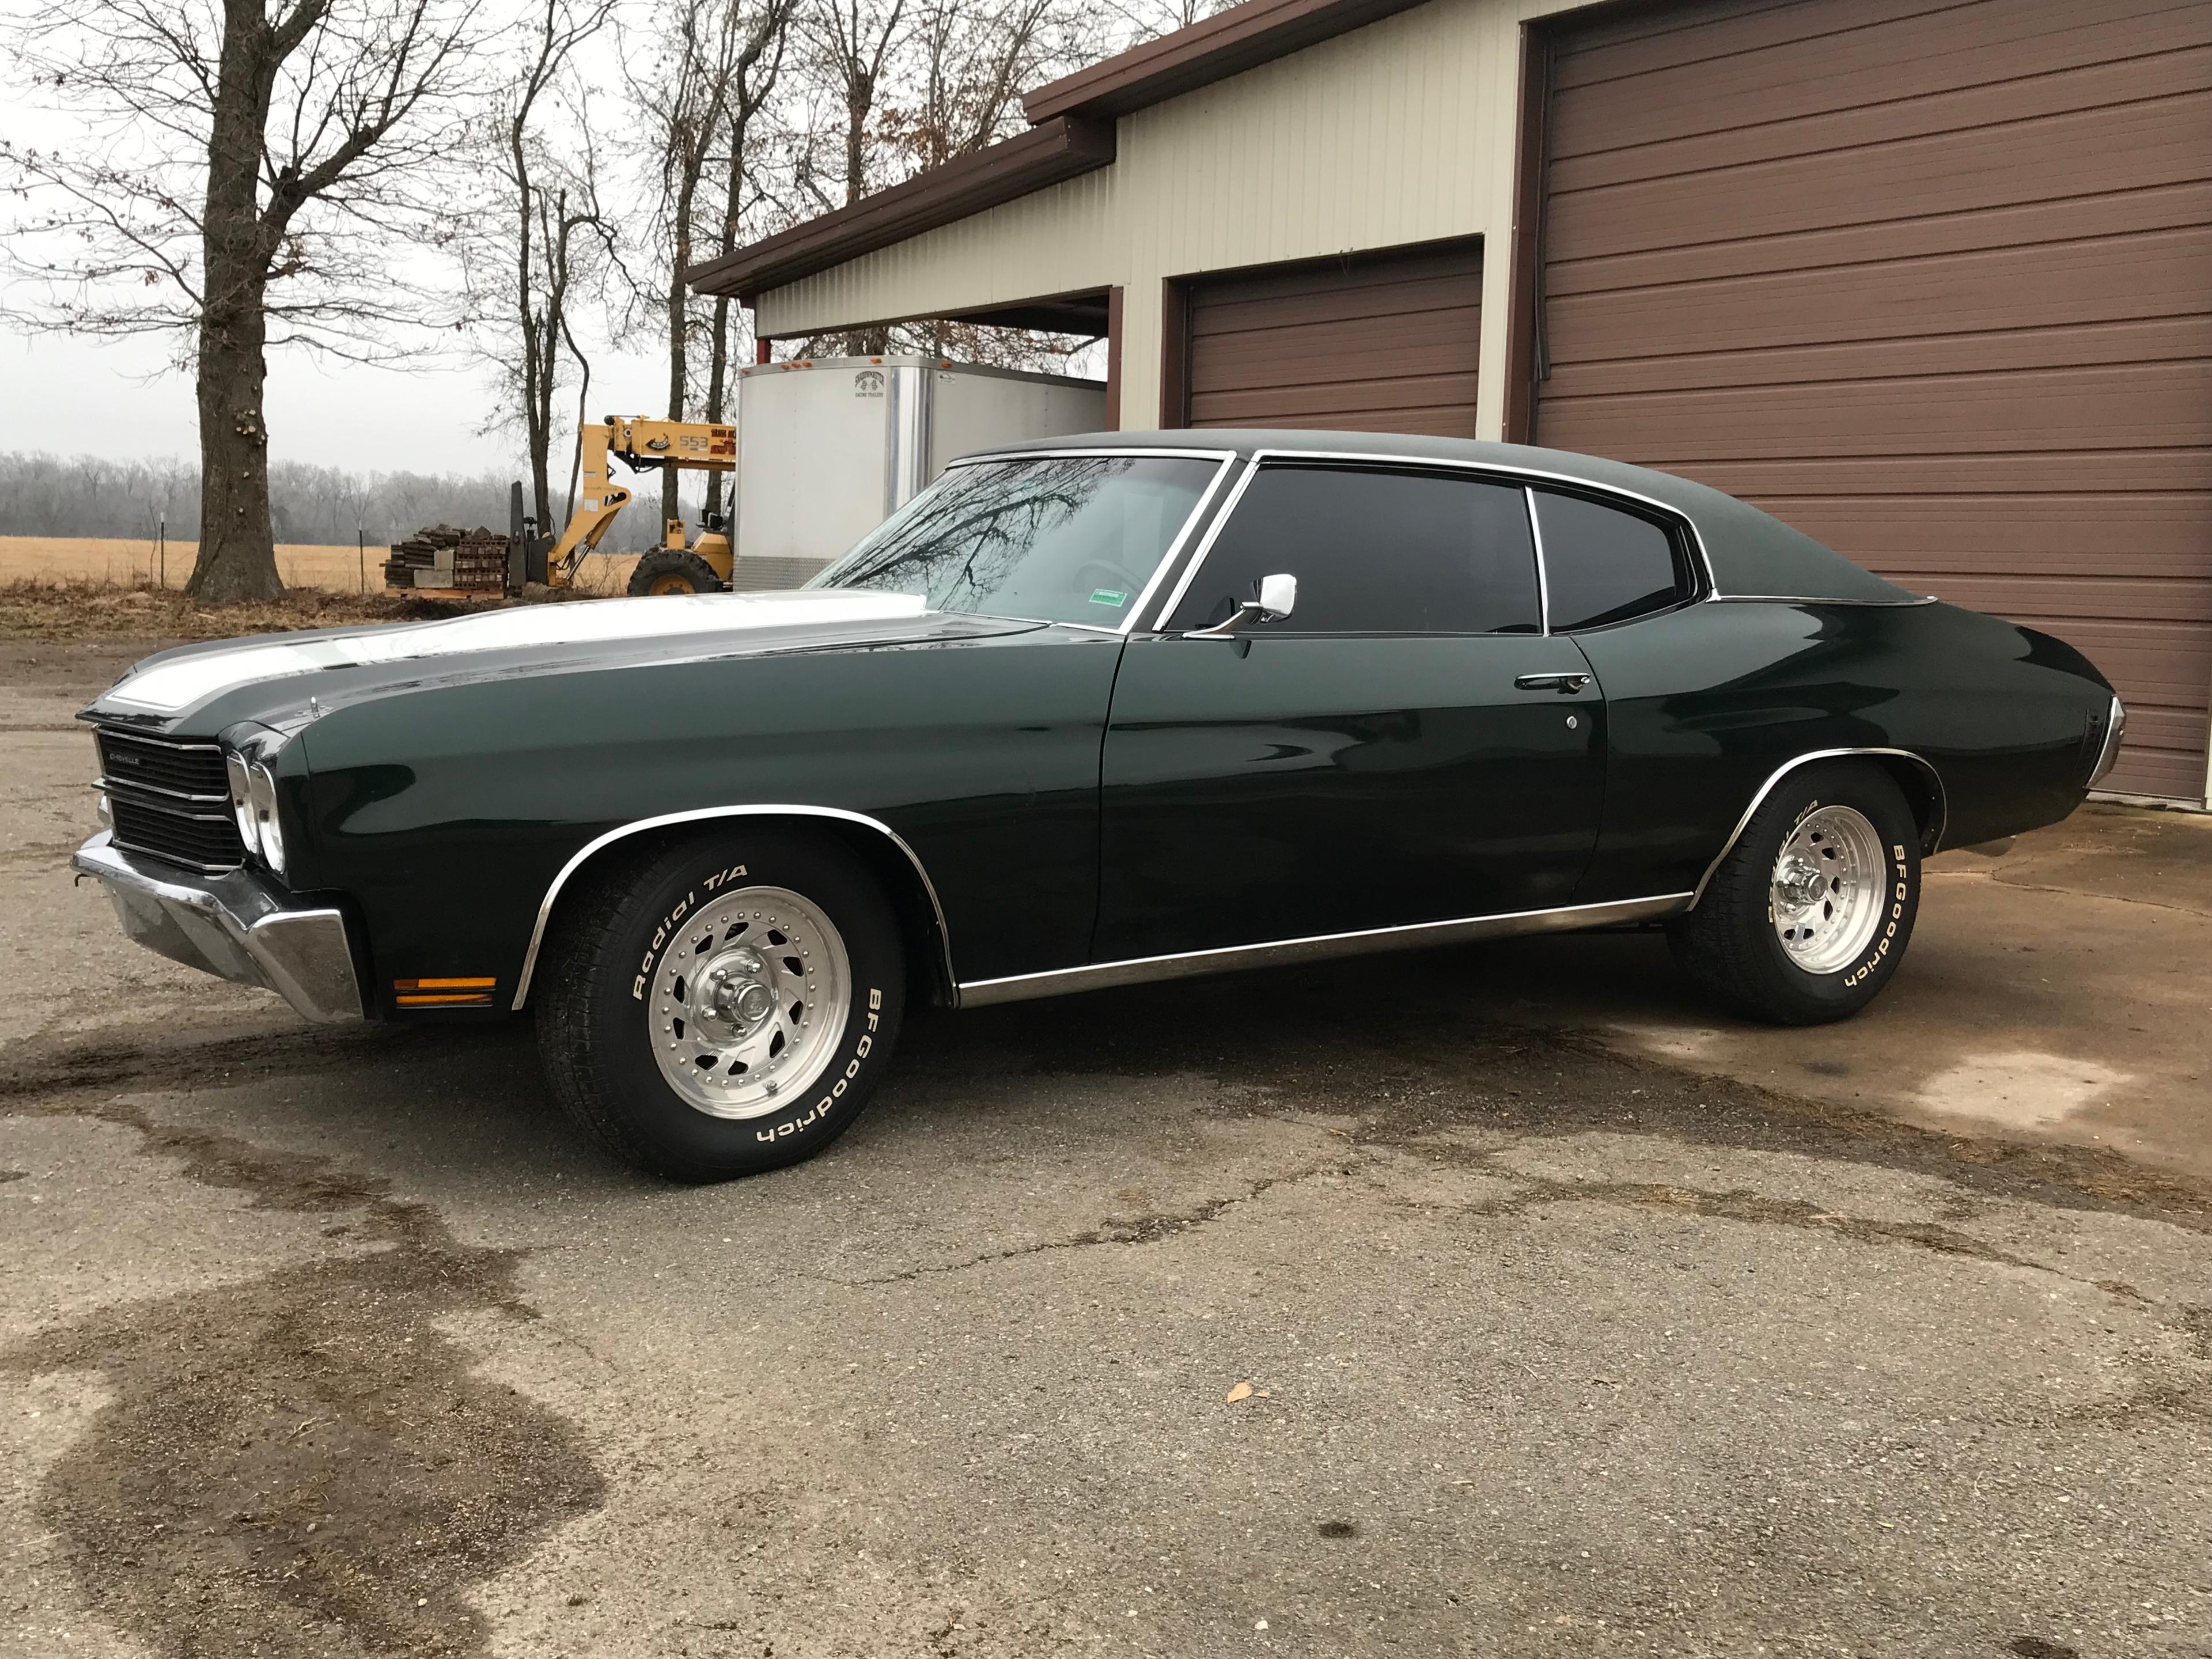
column 241, row 800
column 261, row 794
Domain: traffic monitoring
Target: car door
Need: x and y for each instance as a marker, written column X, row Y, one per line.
column 1408, row 745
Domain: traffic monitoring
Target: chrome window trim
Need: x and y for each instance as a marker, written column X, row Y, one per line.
column 1186, row 965
column 1520, row 475
column 1175, row 547
column 1906, row 604
column 1543, row 579
column 1205, row 546
column 1931, row 843
column 701, row 815
column 1165, row 452
column 1673, row 515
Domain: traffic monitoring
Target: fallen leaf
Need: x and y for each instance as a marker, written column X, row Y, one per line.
column 1241, row 1391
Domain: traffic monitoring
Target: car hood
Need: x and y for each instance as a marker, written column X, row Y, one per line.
column 291, row 676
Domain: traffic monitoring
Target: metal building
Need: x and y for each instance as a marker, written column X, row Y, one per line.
column 1931, row 279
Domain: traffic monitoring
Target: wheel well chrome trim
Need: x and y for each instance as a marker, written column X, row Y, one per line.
column 707, row 814
column 1316, row 947
column 1931, row 838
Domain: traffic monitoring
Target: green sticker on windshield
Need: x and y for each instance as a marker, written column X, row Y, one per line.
column 1108, row 596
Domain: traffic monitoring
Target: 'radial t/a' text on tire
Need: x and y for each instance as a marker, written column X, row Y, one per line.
column 724, row 1008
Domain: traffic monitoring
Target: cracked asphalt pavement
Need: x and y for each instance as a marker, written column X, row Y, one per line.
column 1560, row 1317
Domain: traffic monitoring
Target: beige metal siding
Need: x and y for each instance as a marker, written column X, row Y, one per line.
column 1400, row 133
column 1932, row 281
column 1383, row 343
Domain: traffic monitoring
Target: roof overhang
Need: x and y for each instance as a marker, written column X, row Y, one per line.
column 1073, row 134
column 1243, row 37
column 1052, row 151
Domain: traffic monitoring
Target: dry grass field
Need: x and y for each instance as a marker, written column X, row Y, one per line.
column 131, row 563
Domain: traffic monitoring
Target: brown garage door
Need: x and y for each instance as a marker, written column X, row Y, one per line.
column 1377, row 343
column 1933, row 281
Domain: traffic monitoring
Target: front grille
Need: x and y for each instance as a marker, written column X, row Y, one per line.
column 200, row 839
column 191, row 771
column 170, row 800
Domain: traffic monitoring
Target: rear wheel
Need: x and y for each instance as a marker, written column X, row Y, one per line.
column 1809, row 914
column 727, row 1009
column 673, row 570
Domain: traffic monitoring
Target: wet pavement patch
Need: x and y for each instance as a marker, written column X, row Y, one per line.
column 1399, row 1046
column 300, row 1463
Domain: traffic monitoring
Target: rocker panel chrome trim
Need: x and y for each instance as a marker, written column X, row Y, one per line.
column 1139, row 970
column 702, row 815
column 1931, row 843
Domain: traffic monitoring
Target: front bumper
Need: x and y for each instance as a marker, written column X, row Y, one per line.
column 233, row 926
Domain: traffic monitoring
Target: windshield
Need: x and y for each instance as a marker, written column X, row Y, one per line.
column 1069, row 538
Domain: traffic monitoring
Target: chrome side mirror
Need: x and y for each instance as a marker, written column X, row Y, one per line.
column 1279, row 597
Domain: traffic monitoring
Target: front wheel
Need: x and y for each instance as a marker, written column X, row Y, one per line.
column 1809, row 914
column 727, row 1009
column 673, row 570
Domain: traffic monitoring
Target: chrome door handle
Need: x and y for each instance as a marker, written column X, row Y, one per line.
column 1566, row 684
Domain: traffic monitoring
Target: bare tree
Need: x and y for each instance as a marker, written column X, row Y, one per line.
column 537, row 141
column 974, row 60
column 249, row 162
column 750, row 86
column 710, row 55
column 852, row 43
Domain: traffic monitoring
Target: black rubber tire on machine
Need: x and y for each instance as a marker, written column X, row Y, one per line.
column 636, row 967
column 672, row 570
column 1756, row 941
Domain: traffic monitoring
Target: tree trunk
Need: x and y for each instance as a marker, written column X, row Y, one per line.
column 718, row 386
column 672, row 506
column 238, row 547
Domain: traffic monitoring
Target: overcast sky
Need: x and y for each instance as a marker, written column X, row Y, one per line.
column 121, row 397
column 115, row 397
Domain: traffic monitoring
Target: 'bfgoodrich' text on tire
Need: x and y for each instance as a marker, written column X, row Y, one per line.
column 1809, row 915
column 724, row 1007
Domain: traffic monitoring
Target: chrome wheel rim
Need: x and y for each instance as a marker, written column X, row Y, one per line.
column 750, row 1003
column 1825, row 898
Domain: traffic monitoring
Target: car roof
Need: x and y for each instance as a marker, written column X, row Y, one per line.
column 1751, row 554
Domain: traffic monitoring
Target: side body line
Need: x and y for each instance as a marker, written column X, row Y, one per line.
column 703, row 815
column 1187, row 964
column 1934, row 842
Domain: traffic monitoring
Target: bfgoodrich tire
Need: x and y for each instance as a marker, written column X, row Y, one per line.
column 726, row 1007
column 1809, row 915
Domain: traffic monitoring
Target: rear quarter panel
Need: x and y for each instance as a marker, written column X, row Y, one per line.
column 1705, row 703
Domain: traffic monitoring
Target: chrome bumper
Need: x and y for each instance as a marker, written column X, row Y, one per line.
column 233, row 926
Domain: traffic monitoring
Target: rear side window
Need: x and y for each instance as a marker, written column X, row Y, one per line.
column 1602, row 565
column 1375, row 552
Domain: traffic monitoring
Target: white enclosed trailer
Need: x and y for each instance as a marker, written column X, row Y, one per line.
column 829, row 448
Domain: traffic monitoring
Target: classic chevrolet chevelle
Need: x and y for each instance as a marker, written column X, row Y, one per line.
column 1107, row 709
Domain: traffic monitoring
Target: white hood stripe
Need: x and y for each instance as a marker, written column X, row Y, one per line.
column 174, row 686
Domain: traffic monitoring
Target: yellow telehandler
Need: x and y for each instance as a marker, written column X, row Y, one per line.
column 676, row 565
column 443, row 562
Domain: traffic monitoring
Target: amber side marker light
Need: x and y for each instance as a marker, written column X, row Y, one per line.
column 443, row 993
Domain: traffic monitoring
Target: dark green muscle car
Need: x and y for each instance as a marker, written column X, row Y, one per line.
column 1107, row 709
